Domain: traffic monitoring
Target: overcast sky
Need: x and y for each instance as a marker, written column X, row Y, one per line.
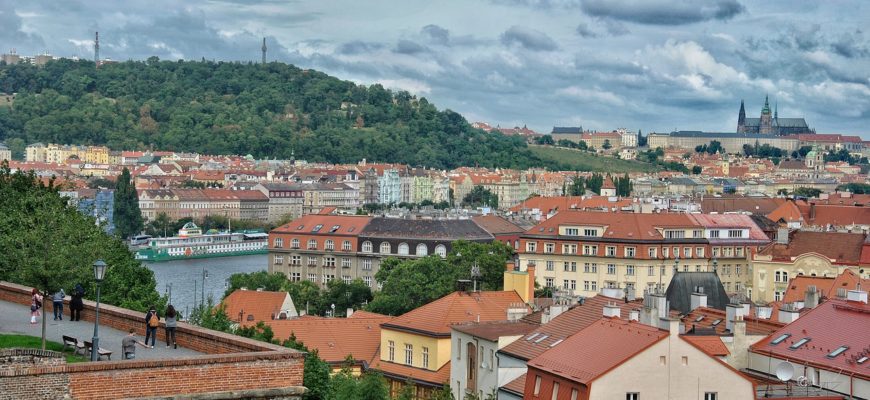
column 655, row 65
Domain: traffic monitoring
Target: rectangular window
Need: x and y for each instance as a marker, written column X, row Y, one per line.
column 675, row 234
column 295, row 276
column 409, row 354
column 716, row 252
column 537, row 385
column 697, row 234
column 531, row 247
column 328, row 278
column 574, row 394
column 665, row 252
column 345, row 262
column 345, row 245
column 367, row 280
column 312, row 261
column 312, row 277
column 710, row 396
column 391, row 351
column 565, row 284
column 714, row 234
column 572, row 232
column 573, row 285
column 346, row 279
column 548, row 282
column 586, row 285
column 594, row 286
column 590, row 232
column 425, row 357
column 610, row 251
column 550, row 265
column 629, row 269
column 735, row 233
column 279, row 243
column 629, row 252
column 329, row 262
column 687, row 252
column 279, row 260
column 549, row 248
column 699, row 252
column 569, row 249
column 632, row 396
column 459, row 349
column 652, row 252
column 590, row 250
column 611, row 269
column 367, row 264
column 555, row 394
column 651, row 271
column 295, row 260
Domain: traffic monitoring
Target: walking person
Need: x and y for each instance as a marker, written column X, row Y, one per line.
column 128, row 345
column 35, row 305
column 76, row 305
column 57, row 304
column 152, row 321
column 171, row 323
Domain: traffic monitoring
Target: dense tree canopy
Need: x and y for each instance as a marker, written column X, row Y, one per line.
column 46, row 243
column 237, row 108
column 480, row 197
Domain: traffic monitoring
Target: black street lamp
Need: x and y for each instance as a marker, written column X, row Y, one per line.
column 99, row 274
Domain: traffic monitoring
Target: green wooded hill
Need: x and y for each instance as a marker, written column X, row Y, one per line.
column 241, row 108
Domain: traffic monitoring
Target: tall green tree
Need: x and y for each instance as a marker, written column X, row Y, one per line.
column 577, row 187
column 47, row 244
column 480, row 197
column 128, row 217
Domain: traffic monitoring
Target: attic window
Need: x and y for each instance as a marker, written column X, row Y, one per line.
column 317, row 228
column 699, row 319
column 334, row 228
column 862, row 360
column 299, row 228
column 541, row 230
column 541, row 339
column 556, row 342
column 780, row 339
column 351, row 229
column 250, row 317
column 838, row 351
column 532, row 336
column 799, row 343
column 717, row 322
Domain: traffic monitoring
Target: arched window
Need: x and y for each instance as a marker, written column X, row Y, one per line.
column 294, row 244
column 279, row 243
column 441, row 251
column 329, row 245
column 367, row 247
column 422, row 250
column 312, row 244
column 403, row 249
column 385, row 248
column 345, row 245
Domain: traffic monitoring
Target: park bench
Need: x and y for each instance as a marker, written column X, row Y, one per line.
column 100, row 352
column 69, row 341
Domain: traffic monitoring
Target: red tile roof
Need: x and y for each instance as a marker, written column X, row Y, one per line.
column 495, row 329
column 496, row 225
column 834, row 215
column 348, row 224
column 618, row 225
column 754, row 326
column 843, row 248
column 851, row 322
column 435, row 318
column 602, row 346
column 516, row 386
column 262, row 305
column 417, row 375
column 547, row 204
column 787, row 212
column 827, row 286
column 724, row 221
column 561, row 327
column 712, row 345
column 336, row 338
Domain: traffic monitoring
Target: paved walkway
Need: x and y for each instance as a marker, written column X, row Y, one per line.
column 15, row 318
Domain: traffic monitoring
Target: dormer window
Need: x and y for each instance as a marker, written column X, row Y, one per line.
column 590, row 232
column 572, row 232
column 735, row 233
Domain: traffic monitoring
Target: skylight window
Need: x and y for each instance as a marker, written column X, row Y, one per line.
column 299, row 228
column 351, row 229
column 556, row 342
column 799, row 343
column 699, row 319
column 838, row 351
column 541, row 339
column 334, row 228
column 717, row 322
column 532, row 336
column 780, row 339
column 862, row 360
column 317, row 228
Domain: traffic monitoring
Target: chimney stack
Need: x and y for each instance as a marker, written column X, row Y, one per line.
column 811, row 297
column 612, row 311
column 634, row 315
column 699, row 298
column 732, row 312
column 788, row 314
column 857, row 295
column 530, row 269
column 782, row 235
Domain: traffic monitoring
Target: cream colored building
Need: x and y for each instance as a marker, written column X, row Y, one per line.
column 5, row 153
column 731, row 142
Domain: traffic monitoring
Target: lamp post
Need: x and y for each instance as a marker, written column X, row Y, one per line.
column 715, row 266
column 169, row 293
column 202, row 295
column 99, row 274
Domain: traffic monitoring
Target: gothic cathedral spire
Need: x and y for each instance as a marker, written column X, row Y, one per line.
column 741, row 119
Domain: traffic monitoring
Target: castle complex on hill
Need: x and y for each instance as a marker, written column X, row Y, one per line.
column 769, row 124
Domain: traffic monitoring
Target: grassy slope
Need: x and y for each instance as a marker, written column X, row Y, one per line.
column 34, row 342
column 584, row 161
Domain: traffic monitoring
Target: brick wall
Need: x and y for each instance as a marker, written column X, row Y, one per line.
column 187, row 335
column 235, row 368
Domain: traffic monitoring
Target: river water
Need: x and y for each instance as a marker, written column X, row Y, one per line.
column 185, row 276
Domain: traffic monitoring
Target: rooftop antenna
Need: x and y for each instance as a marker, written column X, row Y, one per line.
column 97, row 49
column 264, row 51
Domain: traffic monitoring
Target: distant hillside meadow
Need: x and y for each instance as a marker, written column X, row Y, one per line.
column 235, row 108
